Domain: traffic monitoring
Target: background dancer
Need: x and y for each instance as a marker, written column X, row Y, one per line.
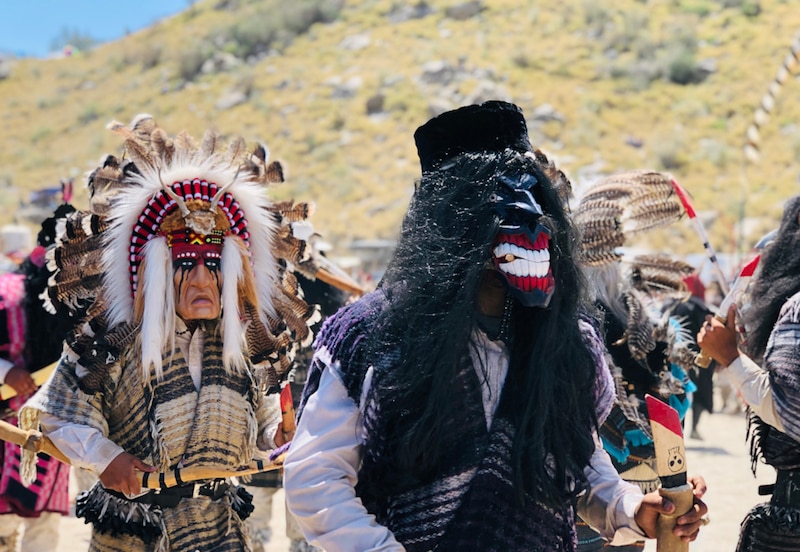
column 772, row 394
column 31, row 340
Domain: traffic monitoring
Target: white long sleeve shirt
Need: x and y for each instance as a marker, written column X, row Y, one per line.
column 321, row 469
column 89, row 449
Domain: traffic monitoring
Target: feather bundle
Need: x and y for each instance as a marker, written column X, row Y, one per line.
column 639, row 330
column 659, row 274
column 621, row 206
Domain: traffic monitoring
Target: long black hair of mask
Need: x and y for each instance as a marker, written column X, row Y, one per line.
column 778, row 279
column 433, row 278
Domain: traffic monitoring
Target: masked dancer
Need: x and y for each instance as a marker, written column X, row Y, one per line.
column 456, row 407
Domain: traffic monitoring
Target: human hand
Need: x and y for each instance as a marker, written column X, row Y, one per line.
column 282, row 437
column 718, row 340
column 120, row 475
column 21, row 380
column 687, row 526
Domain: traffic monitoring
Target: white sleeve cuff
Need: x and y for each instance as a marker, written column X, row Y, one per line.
column 754, row 385
column 609, row 505
column 85, row 446
column 628, row 530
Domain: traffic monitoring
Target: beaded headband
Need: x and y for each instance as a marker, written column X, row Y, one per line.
column 200, row 222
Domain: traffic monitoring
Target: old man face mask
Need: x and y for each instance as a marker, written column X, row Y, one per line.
column 198, row 279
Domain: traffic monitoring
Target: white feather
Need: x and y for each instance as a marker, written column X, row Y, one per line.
column 233, row 336
column 158, row 319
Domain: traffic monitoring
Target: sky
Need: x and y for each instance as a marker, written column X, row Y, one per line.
column 28, row 27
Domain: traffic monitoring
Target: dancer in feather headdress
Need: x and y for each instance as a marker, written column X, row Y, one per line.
column 455, row 408
column 648, row 354
column 190, row 312
column 766, row 372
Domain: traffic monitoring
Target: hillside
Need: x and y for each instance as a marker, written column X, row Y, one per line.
column 337, row 89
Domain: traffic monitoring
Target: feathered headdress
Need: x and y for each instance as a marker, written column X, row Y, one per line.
column 115, row 264
column 621, row 206
column 610, row 213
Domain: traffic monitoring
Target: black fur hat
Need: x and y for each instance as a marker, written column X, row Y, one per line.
column 490, row 126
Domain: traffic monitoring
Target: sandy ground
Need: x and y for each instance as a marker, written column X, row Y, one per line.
column 721, row 457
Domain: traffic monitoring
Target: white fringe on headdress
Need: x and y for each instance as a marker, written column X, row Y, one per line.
column 158, row 316
column 233, row 336
column 158, row 319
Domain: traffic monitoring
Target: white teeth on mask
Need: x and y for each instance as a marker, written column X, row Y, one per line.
column 524, row 268
column 504, row 249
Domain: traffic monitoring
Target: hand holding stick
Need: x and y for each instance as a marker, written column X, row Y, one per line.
column 739, row 285
column 671, row 468
column 36, row 442
column 39, row 377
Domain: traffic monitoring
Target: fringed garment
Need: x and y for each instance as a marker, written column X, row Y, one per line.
column 471, row 503
column 775, row 526
column 165, row 424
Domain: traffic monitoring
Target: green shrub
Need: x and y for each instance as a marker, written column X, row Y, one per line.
column 191, row 61
column 88, row 114
column 40, row 133
column 751, row 8
column 150, row 56
column 682, row 69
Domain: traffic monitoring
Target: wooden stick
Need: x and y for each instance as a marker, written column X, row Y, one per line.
column 683, row 498
column 39, row 377
column 339, row 282
column 30, row 440
column 171, row 478
column 37, row 442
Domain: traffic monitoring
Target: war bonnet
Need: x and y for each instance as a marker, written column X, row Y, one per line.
column 165, row 192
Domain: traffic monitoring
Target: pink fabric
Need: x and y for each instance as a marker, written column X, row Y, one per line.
column 38, row 256
column 50, row 491
column 12, row 292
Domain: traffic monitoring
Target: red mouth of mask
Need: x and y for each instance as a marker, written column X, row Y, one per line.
column 525, row 265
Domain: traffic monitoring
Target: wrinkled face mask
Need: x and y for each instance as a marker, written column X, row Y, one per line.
column 197, row 278
column 521, row 250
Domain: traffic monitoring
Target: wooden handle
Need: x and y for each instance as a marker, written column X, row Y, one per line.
column 702, row 359
column 30, row 440
column 187, row 475
column 36, row 442
column 683, row 499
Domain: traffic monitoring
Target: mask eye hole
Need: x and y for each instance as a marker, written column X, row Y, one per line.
column 186, row 263
column 212, row 263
